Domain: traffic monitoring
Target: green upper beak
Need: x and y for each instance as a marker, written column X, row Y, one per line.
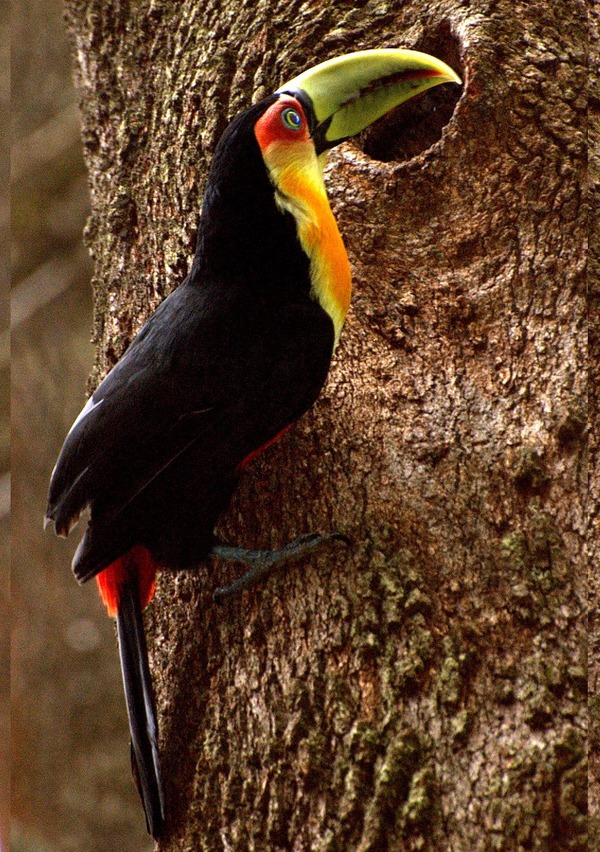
column 347, row 94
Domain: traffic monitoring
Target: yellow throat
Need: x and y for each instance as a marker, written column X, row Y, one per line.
column 299, row 189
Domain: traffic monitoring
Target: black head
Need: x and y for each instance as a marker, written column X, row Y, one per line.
column 243, row 236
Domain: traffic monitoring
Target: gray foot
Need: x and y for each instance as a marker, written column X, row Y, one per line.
column 264, row 562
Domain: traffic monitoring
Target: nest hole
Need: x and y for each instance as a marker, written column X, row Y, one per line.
column 416, row 125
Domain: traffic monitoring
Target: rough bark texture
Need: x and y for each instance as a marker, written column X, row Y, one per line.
column 594, row 399
column 425, row 688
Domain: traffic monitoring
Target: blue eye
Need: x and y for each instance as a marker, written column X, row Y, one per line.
column 291, row 119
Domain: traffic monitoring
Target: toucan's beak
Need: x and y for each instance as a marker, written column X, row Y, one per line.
column 347, row 94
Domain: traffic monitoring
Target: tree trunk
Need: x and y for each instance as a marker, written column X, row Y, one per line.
column 594, row 400
column 426, row 687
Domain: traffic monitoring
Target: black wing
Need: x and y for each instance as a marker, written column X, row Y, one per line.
column 212, row 376
column 140, row 406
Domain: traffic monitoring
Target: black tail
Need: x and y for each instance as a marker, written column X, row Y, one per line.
column 140, row 706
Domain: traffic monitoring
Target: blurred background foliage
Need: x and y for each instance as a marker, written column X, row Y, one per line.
column 4, row 420
column 71, row 781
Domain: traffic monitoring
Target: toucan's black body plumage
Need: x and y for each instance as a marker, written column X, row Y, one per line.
column 214, row 375
column 232, row 357
column 229, row 360
column 238, row 352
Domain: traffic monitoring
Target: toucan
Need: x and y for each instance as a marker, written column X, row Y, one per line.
column 232, row 358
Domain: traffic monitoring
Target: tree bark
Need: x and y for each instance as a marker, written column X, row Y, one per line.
column 426, row 687
column 594, row 398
